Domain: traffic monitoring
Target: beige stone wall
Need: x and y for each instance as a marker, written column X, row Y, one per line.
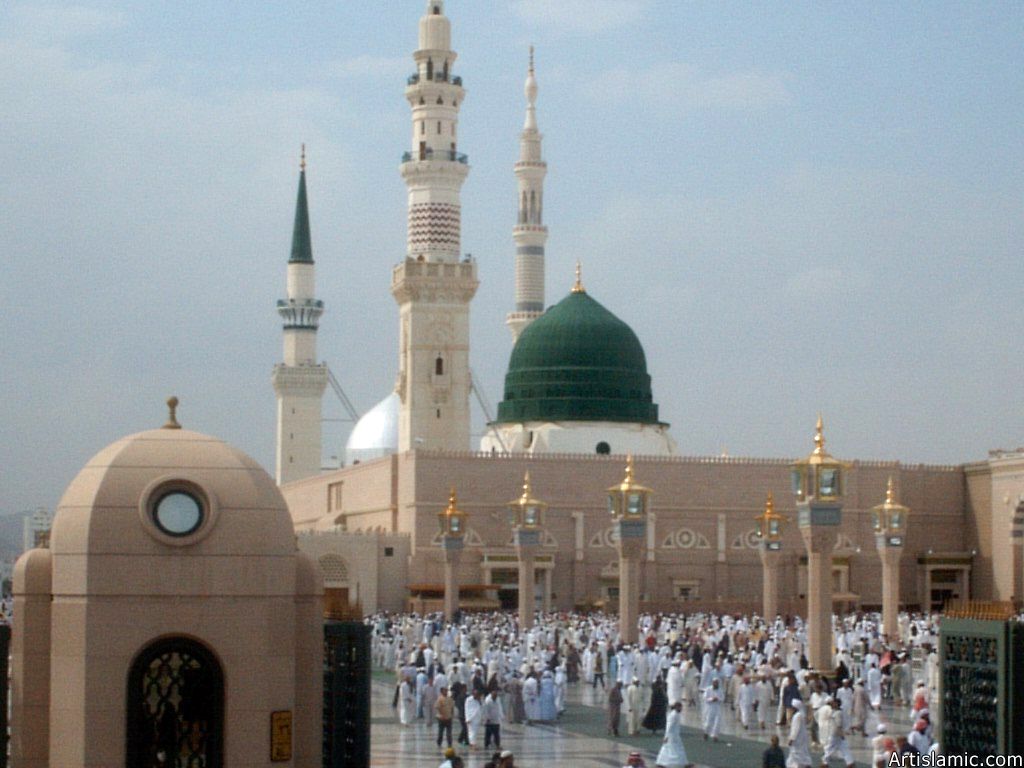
column 377, row 564
column 978, row 489
column 703, row 519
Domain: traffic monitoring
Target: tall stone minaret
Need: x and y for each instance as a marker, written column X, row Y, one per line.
column 299, row 381
column 433, row 286
column 530, row 233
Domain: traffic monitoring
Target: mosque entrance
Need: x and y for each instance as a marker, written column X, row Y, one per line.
column 175, row 707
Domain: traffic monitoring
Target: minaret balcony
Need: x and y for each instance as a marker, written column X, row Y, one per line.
column 439, row 77
column 300, row 313
column 425, row 155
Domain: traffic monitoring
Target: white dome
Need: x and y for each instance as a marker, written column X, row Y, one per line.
column 376, row 433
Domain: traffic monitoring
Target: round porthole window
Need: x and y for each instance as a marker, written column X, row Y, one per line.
column 178, row 513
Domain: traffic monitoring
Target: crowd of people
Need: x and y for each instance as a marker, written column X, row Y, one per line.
column 466, row 678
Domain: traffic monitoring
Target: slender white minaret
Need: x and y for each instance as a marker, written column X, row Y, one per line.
column 299, row 381
column 433, row 286
column 530, row 233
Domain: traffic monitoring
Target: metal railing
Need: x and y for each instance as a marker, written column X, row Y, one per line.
column 440, row 154
column 439, row 77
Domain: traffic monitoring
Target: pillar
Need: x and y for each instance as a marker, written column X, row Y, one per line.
column 631, row 549
column 890, row 590
column 771, row 562
column 452, row 555
column 526, row 587
column 820, row 541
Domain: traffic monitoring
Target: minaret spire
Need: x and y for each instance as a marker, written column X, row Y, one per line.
column 302, row 243
column 529, row 233
column 434, row 284
column 299, row 381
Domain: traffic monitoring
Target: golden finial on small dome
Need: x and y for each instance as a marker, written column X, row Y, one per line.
column 302, row 160
column 629, row 468
column 769, row 505
column 172, row 407
column 526, row 485
column 452, row 500
column 578, row 287
column 890, row 493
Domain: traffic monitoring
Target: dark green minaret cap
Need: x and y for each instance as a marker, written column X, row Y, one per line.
column 302, row 245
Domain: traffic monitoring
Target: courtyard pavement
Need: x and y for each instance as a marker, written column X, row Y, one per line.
column 580, row 739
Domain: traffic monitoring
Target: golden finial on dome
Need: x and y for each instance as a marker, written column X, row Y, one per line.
column 302, row 160
column 452, row 500
column 890, row 493
column 629, row 468
column 172, row 407
column 526, row 485
column 578, row 287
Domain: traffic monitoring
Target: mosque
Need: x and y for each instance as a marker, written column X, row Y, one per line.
column 577, row 399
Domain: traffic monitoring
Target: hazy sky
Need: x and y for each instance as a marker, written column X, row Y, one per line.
column 797, row 206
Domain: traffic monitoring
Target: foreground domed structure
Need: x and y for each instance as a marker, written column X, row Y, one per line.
column 577, row 382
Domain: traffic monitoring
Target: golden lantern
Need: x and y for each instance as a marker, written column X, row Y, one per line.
column 452, row 520
column 628, row 500
column 526, row 512
column 890, row 518
column 819, row 476
column 769, row 525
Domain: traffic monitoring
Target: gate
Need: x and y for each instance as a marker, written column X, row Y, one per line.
column 346, row 694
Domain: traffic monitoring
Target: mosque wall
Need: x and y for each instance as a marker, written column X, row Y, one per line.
column 702, row 543
column 978, row 490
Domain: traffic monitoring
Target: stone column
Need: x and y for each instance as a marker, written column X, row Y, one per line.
column 632, row 535
column 548, row 572
column 452, row 555
column 527, row 542
column 771, row 562
column 820, row 540
column 890, row 588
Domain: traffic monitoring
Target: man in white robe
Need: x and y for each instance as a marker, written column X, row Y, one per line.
column 474, row 717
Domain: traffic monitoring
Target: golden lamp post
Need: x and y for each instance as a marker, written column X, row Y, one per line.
column 628, row 503
column 527, row 517
column 890, row 519
column 769, row 534
column 818, row 487
column 453, row 530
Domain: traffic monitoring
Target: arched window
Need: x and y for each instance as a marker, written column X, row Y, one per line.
column 603, row 449
column 430, row 69
column 175, row 706
column 533, row 206
column 439, row 367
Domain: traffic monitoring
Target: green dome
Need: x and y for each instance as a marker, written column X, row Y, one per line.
column 578, row 362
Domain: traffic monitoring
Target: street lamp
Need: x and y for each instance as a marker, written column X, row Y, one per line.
column 818, row 487
column 769, row 534
column 628, row 504
column 452, row 522
column 890, row 521
column 526, row 515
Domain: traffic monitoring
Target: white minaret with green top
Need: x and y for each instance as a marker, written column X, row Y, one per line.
column 434, row 284
column 300, row 380
column 530, row 233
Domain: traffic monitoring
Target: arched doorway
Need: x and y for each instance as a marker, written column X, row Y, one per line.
column 175, row 705
column 337, row 601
